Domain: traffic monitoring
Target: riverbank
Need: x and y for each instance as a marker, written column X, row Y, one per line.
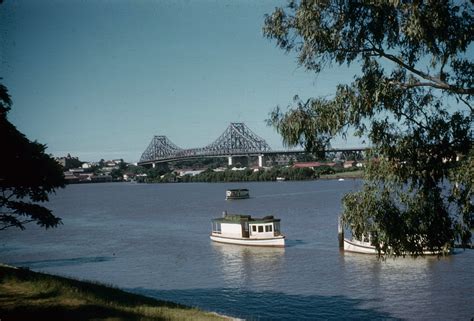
column 28, row 295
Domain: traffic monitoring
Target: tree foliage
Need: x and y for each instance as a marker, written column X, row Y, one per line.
column 27, row 175
column 412, row 98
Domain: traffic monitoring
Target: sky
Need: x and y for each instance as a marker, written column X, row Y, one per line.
column 98, row 79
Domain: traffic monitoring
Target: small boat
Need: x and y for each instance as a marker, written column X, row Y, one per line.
column 245, row 230
column 237, row 194
column 280, row 179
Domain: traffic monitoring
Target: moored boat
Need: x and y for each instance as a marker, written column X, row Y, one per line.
column 237, row 193
column 245, row 230
column 365, row 246
column 357, row 246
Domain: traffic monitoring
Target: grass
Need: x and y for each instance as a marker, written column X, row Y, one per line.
column 28, row 295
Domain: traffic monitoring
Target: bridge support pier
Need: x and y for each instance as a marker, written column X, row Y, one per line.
column 260, row 160
column 230, row 161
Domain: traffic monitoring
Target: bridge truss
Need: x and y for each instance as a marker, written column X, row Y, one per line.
column 237, row 139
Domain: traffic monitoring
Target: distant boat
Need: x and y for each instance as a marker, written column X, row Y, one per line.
column 280, row 179
column 237, row 194
column 341, row 179
column 245, row 230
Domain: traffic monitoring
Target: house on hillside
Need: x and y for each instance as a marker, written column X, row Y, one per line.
column 349, row 164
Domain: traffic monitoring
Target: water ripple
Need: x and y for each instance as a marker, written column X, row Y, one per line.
column 61, row 262
column 280, row 306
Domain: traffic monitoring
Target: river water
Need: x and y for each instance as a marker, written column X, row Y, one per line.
column 153, row 239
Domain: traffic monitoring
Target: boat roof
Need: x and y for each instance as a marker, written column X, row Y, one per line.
column 239, row 218
column 238, row 189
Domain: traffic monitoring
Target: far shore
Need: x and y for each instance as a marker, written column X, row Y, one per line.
column 354, row 174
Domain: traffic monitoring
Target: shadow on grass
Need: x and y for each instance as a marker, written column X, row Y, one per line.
column 28, row 295
column 270, row 305
column 84, row 312
column 99, row 291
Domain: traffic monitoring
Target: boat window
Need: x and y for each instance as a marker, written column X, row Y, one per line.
column 268, row 228
column 260, row 229
column 277, row 226
column 216, row 227
column 254, row 228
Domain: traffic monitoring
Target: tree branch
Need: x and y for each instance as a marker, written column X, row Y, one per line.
column 435, row 82
column 413, row 120
column 419, row 84
column 466, row 102
column 19, row 225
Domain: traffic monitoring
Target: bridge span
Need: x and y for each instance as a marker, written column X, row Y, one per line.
column 237, row 140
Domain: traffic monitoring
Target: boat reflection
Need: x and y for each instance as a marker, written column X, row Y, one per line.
column 249, row 265
column 407, row 276
column 407, row 262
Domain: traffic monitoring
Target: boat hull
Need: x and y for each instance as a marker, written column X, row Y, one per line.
column 271, row 242
column 355, row 246
column 237, row 197
column 359, row 247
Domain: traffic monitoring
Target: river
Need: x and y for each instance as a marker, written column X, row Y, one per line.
column 153, row 239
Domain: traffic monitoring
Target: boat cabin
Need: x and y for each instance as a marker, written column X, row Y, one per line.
column 238, row 193
column 244, row 226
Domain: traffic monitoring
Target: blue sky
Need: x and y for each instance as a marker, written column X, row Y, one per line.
column 97, row 79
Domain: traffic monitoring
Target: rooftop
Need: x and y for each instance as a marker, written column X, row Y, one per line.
column 239, row 218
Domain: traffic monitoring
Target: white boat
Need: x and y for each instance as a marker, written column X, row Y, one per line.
column 245, row 230
column 357, row 246
column 237, row 193
column 365, row 247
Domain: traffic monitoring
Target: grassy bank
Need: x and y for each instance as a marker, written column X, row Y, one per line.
column 27, row 295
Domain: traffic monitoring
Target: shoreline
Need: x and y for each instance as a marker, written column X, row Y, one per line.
column 27, row 294
column 344, row 175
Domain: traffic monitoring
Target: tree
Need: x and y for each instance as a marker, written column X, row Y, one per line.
column 27, row 176
column 117, row 173
column 412, row 99
column 72, row 162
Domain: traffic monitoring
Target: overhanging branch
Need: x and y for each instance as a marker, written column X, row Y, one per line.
column 419, row 84
column 434, row 82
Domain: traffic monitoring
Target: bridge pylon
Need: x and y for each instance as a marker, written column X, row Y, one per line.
column 238, row 138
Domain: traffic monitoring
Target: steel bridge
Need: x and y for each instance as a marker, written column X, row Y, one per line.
column 236, row 140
